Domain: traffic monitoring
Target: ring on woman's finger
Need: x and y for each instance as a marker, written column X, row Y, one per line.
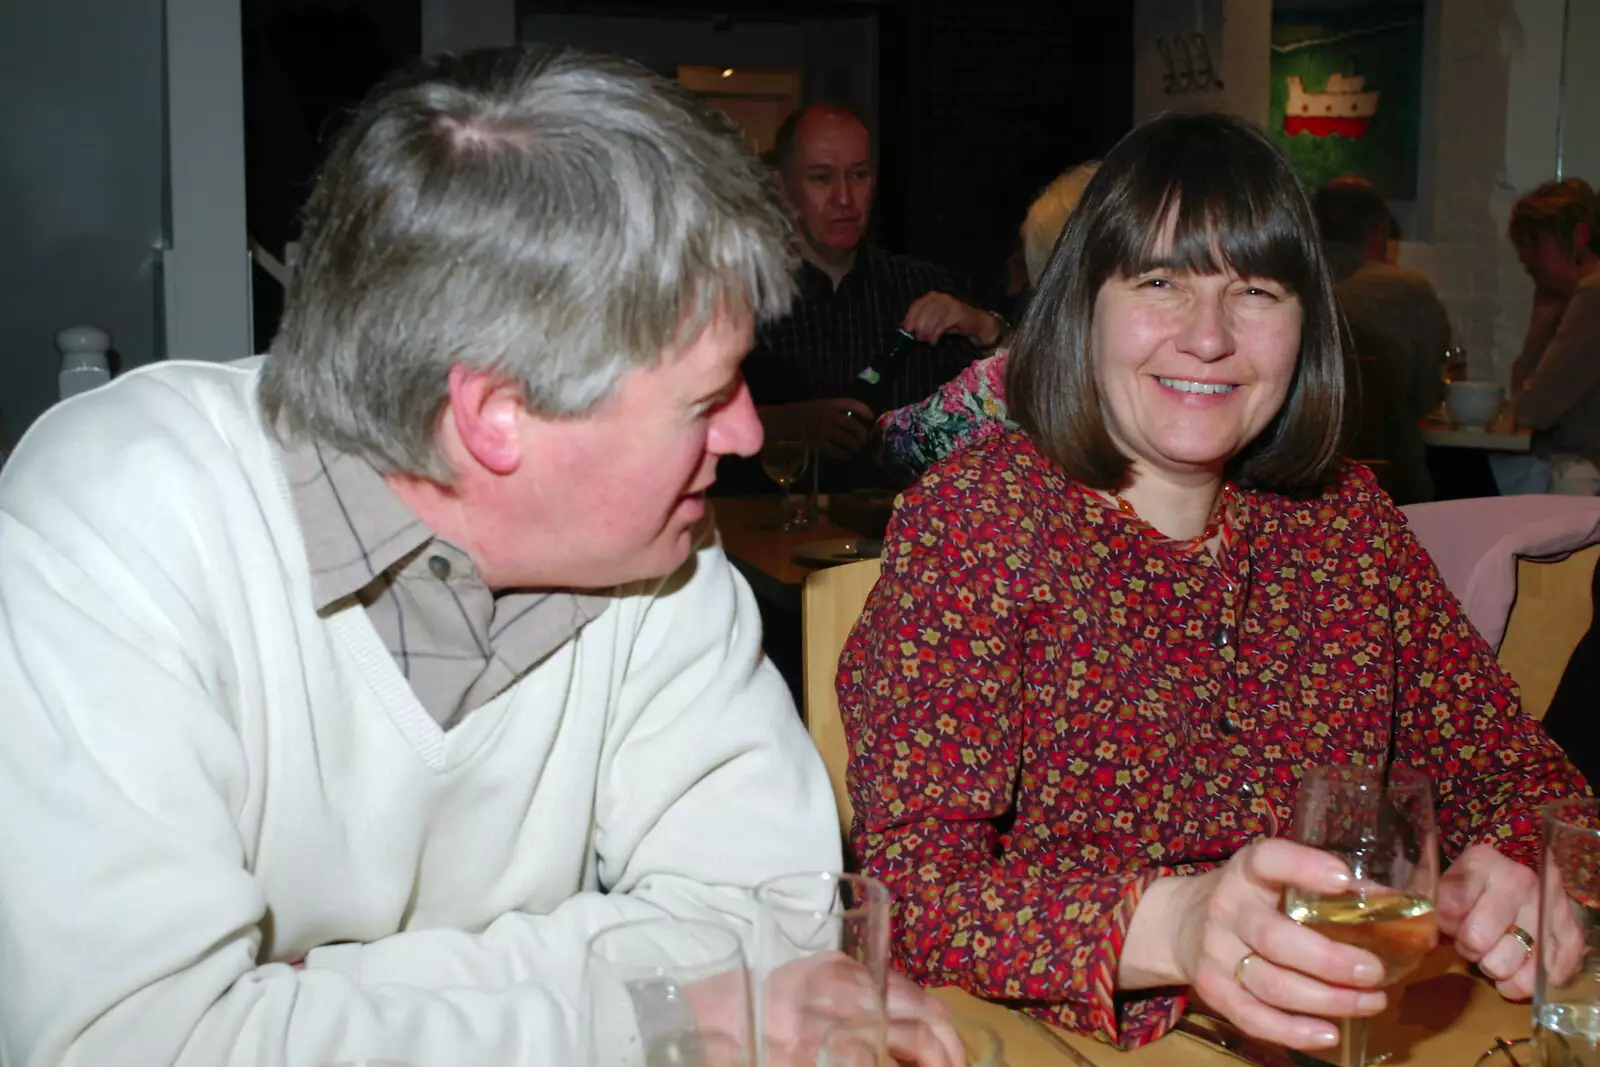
column 1521, row 937
column 1239, row 968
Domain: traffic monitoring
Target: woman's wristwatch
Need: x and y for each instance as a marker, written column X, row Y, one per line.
column 1002, row 328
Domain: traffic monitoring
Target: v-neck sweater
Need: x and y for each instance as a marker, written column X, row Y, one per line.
column 203, row 778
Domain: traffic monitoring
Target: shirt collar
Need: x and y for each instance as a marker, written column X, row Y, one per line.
column 354, row 525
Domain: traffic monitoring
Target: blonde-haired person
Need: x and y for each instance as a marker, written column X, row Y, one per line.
column 971, row 407
column 1556, row 379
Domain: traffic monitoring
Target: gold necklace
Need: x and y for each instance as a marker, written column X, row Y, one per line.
column 1219, row 515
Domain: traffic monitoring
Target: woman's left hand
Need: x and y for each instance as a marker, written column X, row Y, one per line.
column 1481, row 897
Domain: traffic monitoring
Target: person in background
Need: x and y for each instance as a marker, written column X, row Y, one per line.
column 1104, row 648
column 1398, row 331
column 1555, row 382
column 971, row 407
column 349, row 691
column 853, row 298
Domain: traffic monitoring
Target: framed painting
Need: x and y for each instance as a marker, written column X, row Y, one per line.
column 1346, row 93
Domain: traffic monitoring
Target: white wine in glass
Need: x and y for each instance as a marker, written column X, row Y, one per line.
column 1383, row 828
column 784, row 462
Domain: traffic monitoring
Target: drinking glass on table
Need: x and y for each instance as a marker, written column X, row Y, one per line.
column 842, row 920
column 784, row 462
column 638, row 983
column 1384, row 830
column 1566, row 997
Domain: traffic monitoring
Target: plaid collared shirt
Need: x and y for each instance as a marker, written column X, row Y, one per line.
column 457, row 643
column 831, row 334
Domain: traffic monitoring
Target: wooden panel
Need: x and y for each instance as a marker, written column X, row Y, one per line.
column 1552, row 612
column 832, row 601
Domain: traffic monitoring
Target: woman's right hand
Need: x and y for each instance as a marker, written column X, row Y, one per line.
column 1194, row 931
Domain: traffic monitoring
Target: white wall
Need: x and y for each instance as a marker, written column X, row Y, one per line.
column 206, row 264
column 81, row 176
column 1238, row 36
column 1580, row 141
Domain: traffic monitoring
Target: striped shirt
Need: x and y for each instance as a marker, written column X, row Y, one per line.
column 831, row 334
column 458, row 644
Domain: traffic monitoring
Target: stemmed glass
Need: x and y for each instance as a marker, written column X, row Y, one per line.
column 784, row 462
column 661, row 992
column 1384, row 830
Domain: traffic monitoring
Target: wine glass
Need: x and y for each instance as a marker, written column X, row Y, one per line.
column 1566, row 999
column 1384, row 830
column 658, row 992
column 784, row 462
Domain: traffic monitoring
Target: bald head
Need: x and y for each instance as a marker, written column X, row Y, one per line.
column 824, row 156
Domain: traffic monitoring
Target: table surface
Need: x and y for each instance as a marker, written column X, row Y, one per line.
column 1500, row 436
column 765, row 555
column 1442, row 1017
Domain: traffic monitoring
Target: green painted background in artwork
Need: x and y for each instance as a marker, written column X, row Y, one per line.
column 1391, row 60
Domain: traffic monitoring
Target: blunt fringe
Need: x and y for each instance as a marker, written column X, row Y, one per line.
column 1225, row 197
column 550, row 215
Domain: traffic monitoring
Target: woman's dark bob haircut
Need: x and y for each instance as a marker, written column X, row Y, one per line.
column 1228, row 198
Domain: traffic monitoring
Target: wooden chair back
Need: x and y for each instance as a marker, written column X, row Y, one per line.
column 830, row 604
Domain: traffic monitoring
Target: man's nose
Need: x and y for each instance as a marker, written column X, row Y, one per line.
column 735, row 427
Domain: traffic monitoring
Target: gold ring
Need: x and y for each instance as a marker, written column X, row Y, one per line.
column 1521, row 936
column 1238, row 969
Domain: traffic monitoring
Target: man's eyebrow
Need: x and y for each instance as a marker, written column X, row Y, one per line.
column 727, row 386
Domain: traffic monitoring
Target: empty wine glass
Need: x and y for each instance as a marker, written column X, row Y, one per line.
column 1383, row 829
column 663, row 992
column 784, row 462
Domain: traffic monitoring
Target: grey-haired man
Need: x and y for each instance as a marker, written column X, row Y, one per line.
column 349, row 692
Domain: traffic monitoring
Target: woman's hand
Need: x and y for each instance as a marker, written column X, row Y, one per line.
column 1481, row 897
column 1225, row 936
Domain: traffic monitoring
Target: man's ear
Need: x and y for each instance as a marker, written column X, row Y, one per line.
column 1580, row 240
column 487, row 412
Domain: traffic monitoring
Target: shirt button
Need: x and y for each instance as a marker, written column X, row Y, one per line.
column 1226, row 724
column 1223, row 638
column 439, row 566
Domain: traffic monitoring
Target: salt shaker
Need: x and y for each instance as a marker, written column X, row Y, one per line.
column 83, row 359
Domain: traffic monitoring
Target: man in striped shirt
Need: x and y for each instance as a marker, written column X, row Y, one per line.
column 853, row 298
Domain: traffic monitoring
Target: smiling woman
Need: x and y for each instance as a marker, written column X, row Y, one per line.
column 1104, row 649
column 1203, row 250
